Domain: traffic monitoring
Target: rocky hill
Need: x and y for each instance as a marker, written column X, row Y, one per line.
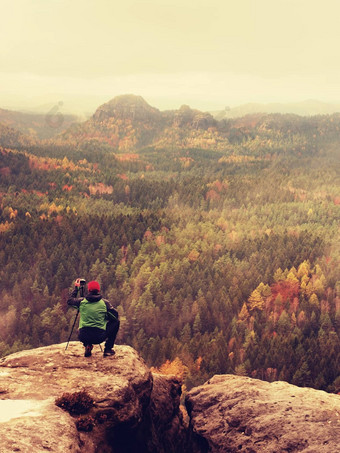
column 128, row 409
column 129, row 123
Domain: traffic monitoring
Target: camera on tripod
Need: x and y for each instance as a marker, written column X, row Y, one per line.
column 80, row 284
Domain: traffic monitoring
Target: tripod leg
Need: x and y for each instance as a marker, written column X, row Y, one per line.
column 69, row 338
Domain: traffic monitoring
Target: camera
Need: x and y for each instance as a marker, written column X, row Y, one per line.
column 80, row 286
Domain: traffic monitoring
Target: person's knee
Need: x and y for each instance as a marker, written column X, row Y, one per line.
column 112, row 325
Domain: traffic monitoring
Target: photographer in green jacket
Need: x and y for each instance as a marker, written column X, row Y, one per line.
column 99, row 321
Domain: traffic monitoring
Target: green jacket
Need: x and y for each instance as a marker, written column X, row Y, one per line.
column 93, row 314
column 94, row 310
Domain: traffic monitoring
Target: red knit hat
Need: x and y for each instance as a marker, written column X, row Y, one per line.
column 93, row 286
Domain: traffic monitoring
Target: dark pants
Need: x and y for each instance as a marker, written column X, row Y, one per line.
column 94, row 335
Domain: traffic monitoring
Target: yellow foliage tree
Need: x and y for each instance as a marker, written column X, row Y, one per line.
column 175, row 367
column 318, row 286
column 303, row 269
column 255, row 301
column 278, row 275
column 314, row 301
column 244, row 313
column 264, row 290
column 292, row 277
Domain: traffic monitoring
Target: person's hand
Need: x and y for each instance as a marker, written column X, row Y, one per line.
column 77, row 283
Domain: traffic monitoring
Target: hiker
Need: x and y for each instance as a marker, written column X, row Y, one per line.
column 99, row 321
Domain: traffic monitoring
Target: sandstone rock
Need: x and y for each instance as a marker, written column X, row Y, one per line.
column 136, row 411
column 36, row 426
column 187, row 117
column 30, row 381
column 127, row 106
column 239, row 414
column 165, row 429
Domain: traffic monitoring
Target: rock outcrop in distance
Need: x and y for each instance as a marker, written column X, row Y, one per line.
column 135, row 410
column 240, row 414
column 128, row 123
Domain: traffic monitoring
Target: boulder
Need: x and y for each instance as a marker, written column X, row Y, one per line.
column 239, row 414
column 121, row 387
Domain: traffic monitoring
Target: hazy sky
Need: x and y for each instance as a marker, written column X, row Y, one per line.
column 207, row 54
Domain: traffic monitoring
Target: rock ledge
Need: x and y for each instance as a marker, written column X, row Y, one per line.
column 239, row 414
column 121, row 386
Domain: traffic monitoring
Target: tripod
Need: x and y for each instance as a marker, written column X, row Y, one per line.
column 81, row 290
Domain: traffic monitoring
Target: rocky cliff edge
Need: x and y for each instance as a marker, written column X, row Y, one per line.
column 134, row 410
column 124, row 417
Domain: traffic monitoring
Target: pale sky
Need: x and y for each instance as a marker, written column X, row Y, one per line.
column 205, row 53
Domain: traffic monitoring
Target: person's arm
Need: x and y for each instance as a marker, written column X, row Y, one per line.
column 73, row 300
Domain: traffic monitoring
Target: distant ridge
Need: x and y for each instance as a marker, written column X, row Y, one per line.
column 304, row 108
column 36, row 125
column 127, row 123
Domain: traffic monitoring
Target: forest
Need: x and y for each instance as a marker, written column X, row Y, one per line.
column 219, row 260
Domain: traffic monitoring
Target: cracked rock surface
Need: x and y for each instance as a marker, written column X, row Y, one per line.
column 239, row 414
